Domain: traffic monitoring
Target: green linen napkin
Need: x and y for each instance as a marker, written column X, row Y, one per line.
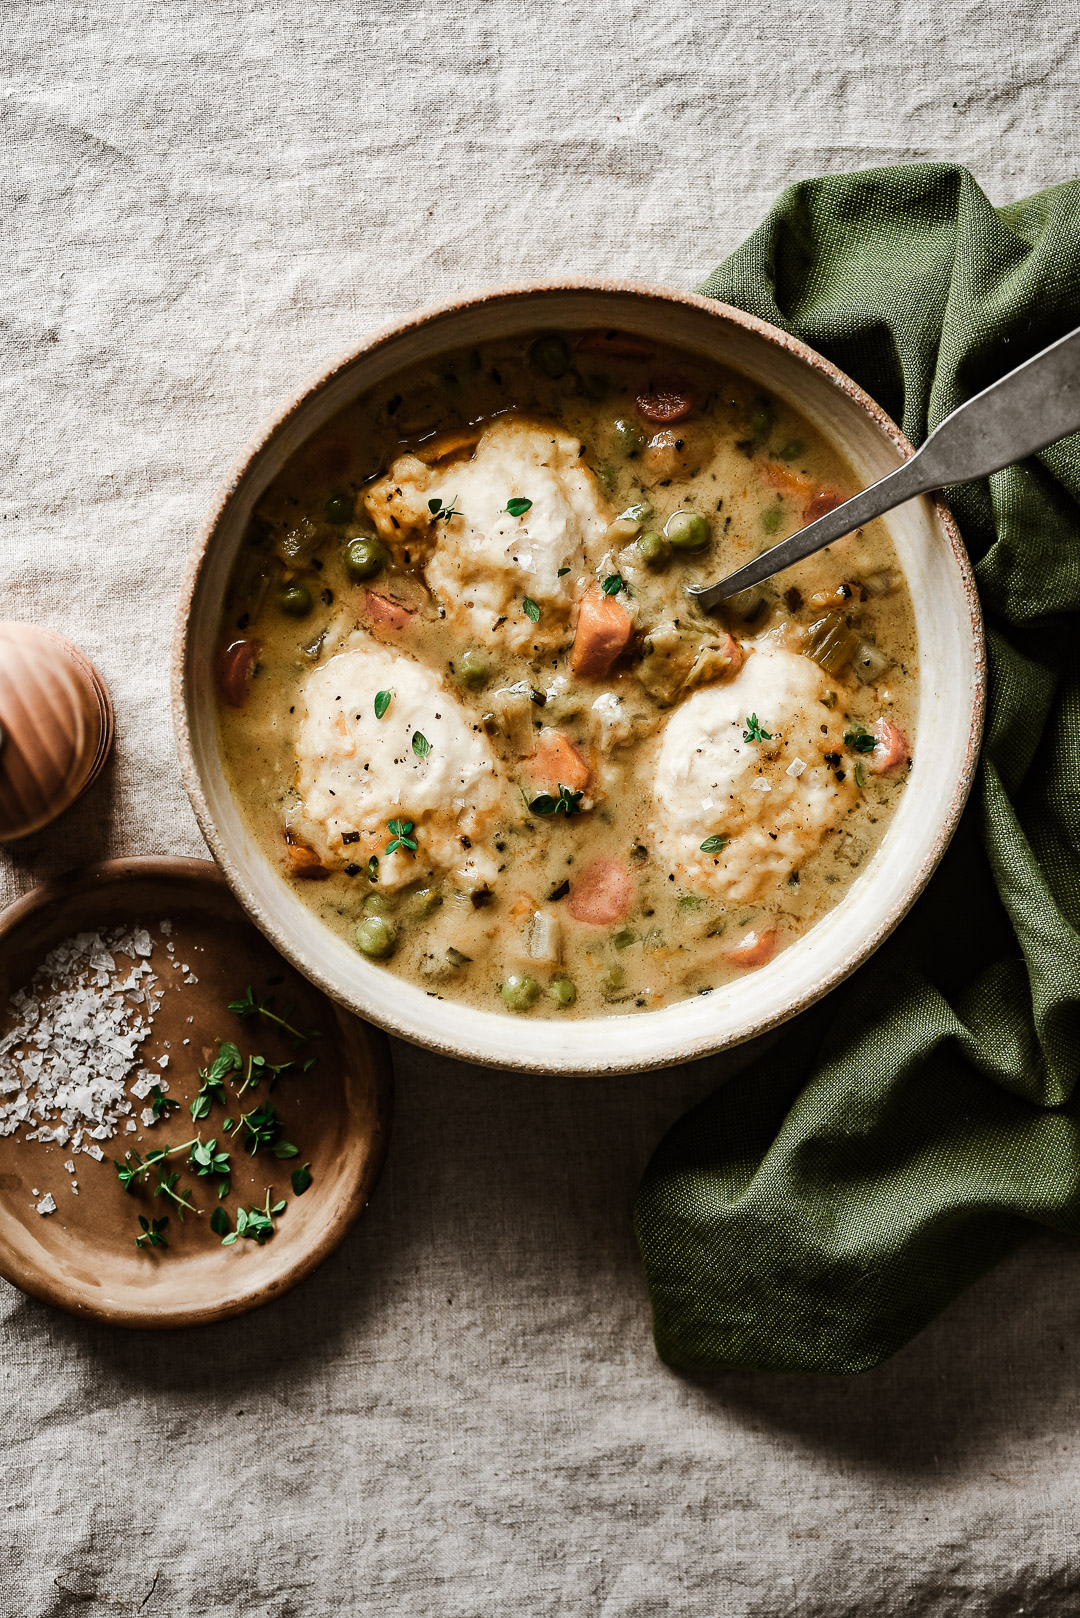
column 817, row 1211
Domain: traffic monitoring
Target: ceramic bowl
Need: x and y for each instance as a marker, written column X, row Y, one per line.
column 950, row 709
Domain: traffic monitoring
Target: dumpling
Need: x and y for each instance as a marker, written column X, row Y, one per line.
column 425, row 760
column 484, row 562
column 774, row 800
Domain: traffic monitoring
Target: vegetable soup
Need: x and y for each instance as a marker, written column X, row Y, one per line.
column 472, row 715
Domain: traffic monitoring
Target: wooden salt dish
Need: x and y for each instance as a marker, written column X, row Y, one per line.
column 56, row 727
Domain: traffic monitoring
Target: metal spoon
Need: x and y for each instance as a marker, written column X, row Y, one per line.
column 1029, row 408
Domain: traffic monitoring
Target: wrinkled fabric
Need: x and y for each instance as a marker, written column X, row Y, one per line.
column 817, row 1212
column 461, row 1413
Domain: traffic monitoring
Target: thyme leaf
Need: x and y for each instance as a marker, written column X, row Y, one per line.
column 754, row 732
column 566, row 803
column 400, row 838
column 441, row 512
column 859, row 740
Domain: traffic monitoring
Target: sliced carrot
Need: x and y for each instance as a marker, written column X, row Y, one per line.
column 234, row 669
column 782, row 477
column 303, row 861
column 603, row 632
column 825, row 500
column 665, row 401
column 385, row 612
column 892, row 751
column 600, row 894
column 621, row 345
column 753, row 949
column 556, row 762
column 815, row 505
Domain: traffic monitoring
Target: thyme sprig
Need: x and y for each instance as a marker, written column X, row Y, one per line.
column 212, row 1088
column 152, row 1232
column 249, row 1006
column 162, row 1105
column 256, row 1130
column 441, row 512
column 566, row 803
column 256, row 1223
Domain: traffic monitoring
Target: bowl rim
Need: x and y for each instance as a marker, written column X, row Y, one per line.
column 276, row 423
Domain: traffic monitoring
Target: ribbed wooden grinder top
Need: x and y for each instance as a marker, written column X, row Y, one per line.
column 56, row 727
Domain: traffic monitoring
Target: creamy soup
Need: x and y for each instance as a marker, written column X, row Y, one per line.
column 473, row 717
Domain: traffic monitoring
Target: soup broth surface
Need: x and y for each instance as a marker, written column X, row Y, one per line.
column 473, row 717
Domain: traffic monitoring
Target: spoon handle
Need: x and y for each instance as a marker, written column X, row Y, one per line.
column 1019, row 414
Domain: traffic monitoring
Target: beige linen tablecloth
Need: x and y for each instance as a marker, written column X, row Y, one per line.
column 461, row 1414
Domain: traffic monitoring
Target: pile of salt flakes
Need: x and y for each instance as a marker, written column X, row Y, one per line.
column 70, row 1064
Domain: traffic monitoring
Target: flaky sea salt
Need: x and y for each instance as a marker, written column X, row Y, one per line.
column 47, row 1204
column 761, row 785
column 74, row 1037
column 796, row 768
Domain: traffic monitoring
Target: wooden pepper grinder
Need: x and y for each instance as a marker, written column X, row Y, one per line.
column 56, row 727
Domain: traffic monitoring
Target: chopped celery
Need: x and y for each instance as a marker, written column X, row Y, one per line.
column 831, row 643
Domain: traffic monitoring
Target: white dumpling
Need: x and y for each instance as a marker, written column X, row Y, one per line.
column 357, row 772
column 484, row 562
column 775, row 800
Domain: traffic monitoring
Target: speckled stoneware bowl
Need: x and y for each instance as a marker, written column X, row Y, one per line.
column 950, row 710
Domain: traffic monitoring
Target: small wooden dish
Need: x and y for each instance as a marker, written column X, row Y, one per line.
column 83, row 1258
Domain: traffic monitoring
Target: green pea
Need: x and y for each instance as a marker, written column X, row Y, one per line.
column 339, row 508
column 377, row 904
column 472, row 669
column 612, row 981
column 653, row 548
column 762, row 421
column 627, row 435
column 295, row 601
column 550, row 355
column 519, row 992
column 425, row 901
column 687, row 531
column 376, row 937
column 564, row 992
column 364, row 557
column 791, row 450
column 624, row 938
column 595, row 387
column 771, row 518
